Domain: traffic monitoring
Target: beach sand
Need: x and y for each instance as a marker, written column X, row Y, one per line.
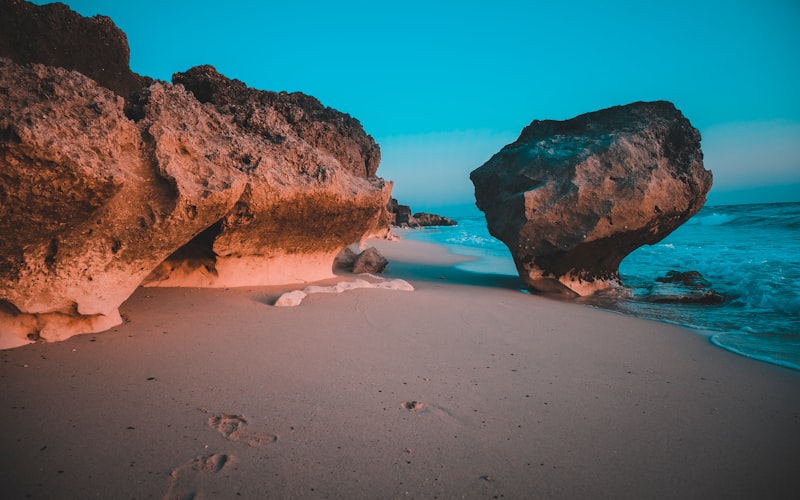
column 463, row 388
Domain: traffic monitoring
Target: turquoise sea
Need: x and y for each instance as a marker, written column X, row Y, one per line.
column 748, row 257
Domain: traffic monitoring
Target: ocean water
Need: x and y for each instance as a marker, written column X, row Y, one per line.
column 747, row 257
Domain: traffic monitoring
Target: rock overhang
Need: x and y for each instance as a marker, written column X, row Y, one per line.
column 104, row 183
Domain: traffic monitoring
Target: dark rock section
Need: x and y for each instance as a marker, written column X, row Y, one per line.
column 89, row 208
column 54, row 35
column 401, row 216
column 572, row 198
column 684, row 287
column 345, row 260
column 370, row 261
column 280, row 115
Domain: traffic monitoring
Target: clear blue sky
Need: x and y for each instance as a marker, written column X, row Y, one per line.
column 444, row 85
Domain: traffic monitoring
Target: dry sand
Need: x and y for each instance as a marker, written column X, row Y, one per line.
column 463, row 388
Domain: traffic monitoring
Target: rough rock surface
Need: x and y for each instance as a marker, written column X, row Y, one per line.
column 278, row 116
column 687, row 287
column 54, row 35
column 99, row 195
column 345, row 260
column 370, row 261
column 572, row 198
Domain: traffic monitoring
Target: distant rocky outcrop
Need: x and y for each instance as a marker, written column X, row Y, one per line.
column 401, row 216
column 684, row 287
column 572, row 198
column 344, row 260
column 689, row 279
column 213, row 184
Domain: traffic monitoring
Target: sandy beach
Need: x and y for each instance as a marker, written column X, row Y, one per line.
column 462, row 388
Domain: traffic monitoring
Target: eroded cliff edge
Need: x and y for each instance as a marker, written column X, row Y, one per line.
column 203, row 182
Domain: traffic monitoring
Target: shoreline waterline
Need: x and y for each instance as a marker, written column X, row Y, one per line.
column 744, row 257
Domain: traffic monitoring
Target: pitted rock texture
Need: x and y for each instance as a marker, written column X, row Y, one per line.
column 572, row 198
column 370, row 261
column 278, row 116
column 54, row 35
column 94, row 203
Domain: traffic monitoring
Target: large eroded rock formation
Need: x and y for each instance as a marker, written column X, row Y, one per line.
column 219, row 185
column 572, row 198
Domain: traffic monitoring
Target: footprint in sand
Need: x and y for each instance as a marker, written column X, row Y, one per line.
column 234, row 427
column 413, row 405
column 190, row 479
column 430, row 409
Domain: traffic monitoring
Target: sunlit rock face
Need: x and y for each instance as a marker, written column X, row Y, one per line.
column 300, row 206
column 99, row 194
column 86, row 214
column 572, row 198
